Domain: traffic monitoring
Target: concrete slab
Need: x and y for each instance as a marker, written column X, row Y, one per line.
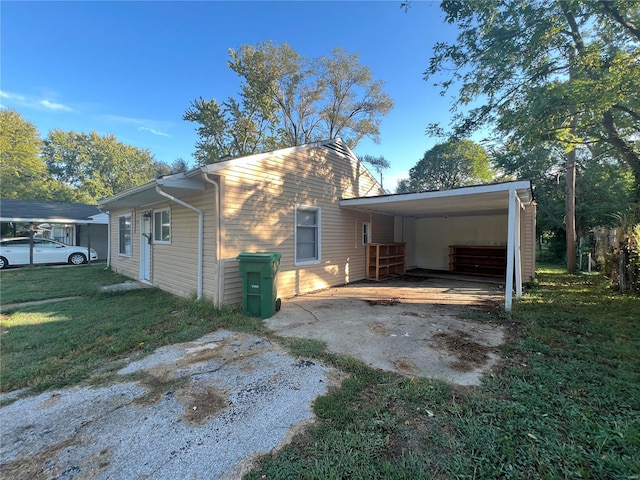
column 409, row 327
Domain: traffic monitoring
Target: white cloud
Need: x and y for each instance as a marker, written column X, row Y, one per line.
column 12, row 96
column 155, row 127
column 32, row 101
column 154, row 131
column 55, row 106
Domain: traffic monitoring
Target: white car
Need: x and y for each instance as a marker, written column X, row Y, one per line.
column 15, row 251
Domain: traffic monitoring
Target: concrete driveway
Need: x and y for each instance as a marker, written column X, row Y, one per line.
column 410, row 327
column 206, row 408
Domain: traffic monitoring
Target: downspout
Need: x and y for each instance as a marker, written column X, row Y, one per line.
column 219, row 291
column 200, row 233
column 108, row 238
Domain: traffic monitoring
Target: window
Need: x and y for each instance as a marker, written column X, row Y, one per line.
column 307, row 235
column 366, row 233
column 162, row 226
column 124, row 235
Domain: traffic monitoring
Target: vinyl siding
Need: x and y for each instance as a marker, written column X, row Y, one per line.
column 259, row 202
column 128, row 266
column 174, row 265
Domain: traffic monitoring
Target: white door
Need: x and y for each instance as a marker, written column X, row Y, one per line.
column 145, row 248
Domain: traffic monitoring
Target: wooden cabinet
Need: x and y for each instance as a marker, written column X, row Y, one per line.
column 385, row 259
column 478, row 260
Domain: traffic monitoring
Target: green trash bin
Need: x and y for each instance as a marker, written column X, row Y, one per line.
column 259, row 293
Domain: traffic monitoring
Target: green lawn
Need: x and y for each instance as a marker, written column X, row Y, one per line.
column 38, row 283
column 564, row 402
column 74, row 341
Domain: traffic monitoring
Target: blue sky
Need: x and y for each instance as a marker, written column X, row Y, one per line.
column 132, row 68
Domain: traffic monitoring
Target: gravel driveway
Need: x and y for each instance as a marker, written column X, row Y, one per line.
column 198, row 410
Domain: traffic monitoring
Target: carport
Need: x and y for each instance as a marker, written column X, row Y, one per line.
column 501, row 214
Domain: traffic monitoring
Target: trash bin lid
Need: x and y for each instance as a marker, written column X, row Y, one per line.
column 258, row 256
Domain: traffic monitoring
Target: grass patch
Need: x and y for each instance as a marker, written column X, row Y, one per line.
column 565, row 402
column 40, row 283
column 86, row 339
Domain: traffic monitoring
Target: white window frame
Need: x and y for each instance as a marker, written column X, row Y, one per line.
column 122, row 240
column 159, row 213
column 318, row 230
column 366, row 233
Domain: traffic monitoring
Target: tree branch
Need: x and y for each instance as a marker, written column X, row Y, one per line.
column 608, row 7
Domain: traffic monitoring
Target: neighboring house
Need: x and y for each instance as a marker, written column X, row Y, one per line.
column 183, row 232
column 70, row 223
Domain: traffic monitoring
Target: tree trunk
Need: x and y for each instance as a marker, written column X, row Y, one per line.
column 570, row 210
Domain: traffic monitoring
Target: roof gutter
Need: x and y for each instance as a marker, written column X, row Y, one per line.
column 200, row 233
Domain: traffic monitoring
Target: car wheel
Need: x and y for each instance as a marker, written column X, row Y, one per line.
column 4, row 263
column 77, row 259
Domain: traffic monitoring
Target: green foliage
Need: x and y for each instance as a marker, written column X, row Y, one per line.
column 19, row 148
column 23, row 173
column 378, row 163
column 552, row 73
column 604, row 185
column 69, row 166
column 455, row 163
column 286, row 100
column 97, row 166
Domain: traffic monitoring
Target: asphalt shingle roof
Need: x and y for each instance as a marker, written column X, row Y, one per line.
column 26, row 210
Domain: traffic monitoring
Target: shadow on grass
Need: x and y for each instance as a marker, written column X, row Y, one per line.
column 65, row 343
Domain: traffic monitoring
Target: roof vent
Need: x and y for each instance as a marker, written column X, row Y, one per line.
column 338, row 146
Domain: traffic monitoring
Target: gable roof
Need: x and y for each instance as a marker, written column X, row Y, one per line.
column 12, row 210
column 183, row 184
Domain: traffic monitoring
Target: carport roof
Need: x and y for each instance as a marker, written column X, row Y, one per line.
column 15, row 210
column 476, row 200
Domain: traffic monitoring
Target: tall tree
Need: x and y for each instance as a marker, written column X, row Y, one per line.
column 20, row 163
column 557, row 72
column 604, row 186
column 455, row 163
column 97, row 165
column 23, row 173
column 286, row 100
column 354, row 102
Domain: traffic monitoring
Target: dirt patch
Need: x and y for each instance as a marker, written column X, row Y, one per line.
column 406, row 365
column 387, row 302
column 470, row 354
column 157, row 387
column 378, row 328
column 203, row 404
column 52, row 400
column 39, row 466
column 415, row 314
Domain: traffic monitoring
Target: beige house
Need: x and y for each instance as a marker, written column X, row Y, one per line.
column 317, row 205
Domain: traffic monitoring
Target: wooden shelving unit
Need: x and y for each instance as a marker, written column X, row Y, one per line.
column 385, row 259
column 478, row 260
